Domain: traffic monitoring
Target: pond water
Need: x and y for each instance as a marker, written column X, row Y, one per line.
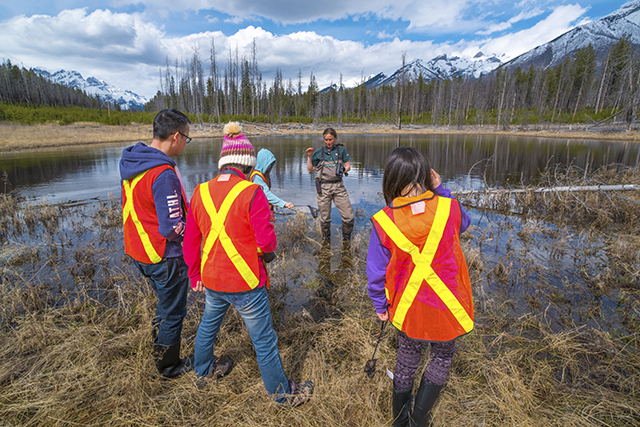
column 90, row 174
column 463, row 161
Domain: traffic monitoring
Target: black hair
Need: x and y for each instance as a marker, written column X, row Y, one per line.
column 167, row 122
column 406, row 167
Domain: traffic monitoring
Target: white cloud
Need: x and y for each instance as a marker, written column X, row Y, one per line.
column 383, row 35
column 431, row 16
column 234, row 20
column 511, row 45
column 127, row 51
column 103, row 44
column 494, row 28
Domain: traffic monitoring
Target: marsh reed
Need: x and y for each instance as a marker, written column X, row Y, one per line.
column 556, row 341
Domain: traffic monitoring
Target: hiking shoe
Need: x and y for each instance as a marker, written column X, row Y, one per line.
column 300, row 393
column 220, row 369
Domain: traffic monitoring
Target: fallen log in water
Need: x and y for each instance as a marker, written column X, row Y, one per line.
column 622, row 187
column 589, row 204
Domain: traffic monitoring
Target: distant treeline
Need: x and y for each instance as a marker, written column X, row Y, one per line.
column 575, row 91
column 26, row 87
column 37, row 114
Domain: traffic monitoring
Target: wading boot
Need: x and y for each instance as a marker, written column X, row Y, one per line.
column 325, row 229
column 425, row 399
column 346, row 259
column 347, row 229
column 168, row 360
column 401, row 403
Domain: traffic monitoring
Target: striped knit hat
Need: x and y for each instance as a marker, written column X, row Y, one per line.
column 236, row 148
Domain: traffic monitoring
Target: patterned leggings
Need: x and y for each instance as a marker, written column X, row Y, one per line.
column 409, row 352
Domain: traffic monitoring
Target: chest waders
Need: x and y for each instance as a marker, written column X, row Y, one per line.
column 329, row 175
column 331, row 172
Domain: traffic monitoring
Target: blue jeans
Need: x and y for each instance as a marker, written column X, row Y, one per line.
column 170, row 281
column 254, row 308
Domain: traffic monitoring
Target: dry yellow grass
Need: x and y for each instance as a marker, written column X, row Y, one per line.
column 81, row 354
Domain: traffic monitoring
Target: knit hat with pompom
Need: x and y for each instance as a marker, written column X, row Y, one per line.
column 236, row 148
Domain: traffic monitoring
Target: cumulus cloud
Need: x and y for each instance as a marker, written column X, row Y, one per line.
column 430, row 16
column 127, row 51
column 102, row 42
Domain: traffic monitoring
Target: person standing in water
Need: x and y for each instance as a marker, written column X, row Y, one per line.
column 332, row 161
column 418, row 278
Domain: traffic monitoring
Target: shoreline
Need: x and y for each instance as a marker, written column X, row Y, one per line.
column 51, row 135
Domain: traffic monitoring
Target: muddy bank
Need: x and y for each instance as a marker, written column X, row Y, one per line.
column 27, row 137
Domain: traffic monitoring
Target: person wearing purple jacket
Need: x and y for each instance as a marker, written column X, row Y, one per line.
column 154, row 207
column 418, row 278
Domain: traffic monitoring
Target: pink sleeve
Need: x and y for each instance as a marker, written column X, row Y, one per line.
column 191, row 247
column 260, row 217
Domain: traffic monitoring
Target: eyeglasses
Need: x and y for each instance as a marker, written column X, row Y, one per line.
column 188, row 139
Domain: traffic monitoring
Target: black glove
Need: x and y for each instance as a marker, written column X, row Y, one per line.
column 268, row 257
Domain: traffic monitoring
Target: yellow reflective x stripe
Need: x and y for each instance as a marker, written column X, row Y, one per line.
column 423, row 269
column 129, row 211
column 218, row 231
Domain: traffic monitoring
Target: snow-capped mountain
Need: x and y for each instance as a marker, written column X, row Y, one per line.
column 441, row 68
column 601, row 34
column 375, row 81
column 125, row 98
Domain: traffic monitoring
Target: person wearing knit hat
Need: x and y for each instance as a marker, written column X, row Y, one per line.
column 236, row 148
column 228, row 240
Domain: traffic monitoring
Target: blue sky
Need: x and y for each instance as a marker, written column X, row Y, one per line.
column 125, row 42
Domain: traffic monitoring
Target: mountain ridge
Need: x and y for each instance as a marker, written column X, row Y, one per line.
column 126, row 99
column 601, row 34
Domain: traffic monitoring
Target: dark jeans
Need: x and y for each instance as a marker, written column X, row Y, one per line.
column 170, row 282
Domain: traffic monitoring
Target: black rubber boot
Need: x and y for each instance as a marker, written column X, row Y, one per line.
column 168, row 361
column 401, row 404
column 326, row 232
column 347, row 229
column 346, row 258
column 425, row 399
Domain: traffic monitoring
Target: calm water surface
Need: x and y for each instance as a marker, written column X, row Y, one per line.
column 464, row 162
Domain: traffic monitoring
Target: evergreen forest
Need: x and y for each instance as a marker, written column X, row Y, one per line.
column 579, row 90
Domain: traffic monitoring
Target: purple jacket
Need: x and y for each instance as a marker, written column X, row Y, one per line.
column 378, row 258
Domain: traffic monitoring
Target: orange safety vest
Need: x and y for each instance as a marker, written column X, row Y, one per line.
column 142, row 240
column 230, row 261
column 254, row 173
column 427, row 282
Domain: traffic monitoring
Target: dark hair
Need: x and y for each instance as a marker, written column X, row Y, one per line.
column 167, row 122
column 406, row 166
column 242, row 168
column 332, row 131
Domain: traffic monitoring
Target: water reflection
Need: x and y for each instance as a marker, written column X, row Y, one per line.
column 464, row 161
